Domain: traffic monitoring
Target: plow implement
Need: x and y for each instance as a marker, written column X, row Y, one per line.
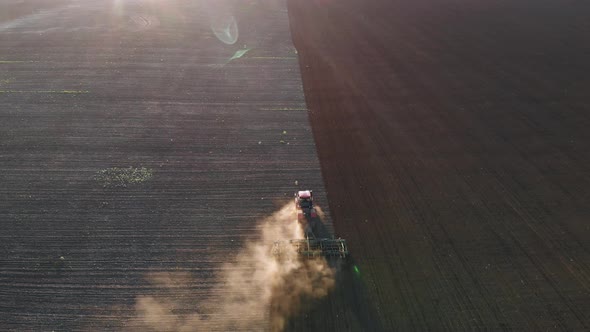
column 310, row 248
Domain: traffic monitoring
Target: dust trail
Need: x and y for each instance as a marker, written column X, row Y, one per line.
column 255, row 292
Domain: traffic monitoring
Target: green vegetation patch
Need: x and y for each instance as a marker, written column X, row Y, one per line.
column 117, row 177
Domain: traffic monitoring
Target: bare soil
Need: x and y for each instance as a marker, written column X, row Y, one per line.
column 453, row 140
column 451, row 135
column 90, row 86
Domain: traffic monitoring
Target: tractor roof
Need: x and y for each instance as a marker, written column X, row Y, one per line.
column 304, row 194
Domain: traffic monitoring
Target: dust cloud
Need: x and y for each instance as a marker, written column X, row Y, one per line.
column 257, row 291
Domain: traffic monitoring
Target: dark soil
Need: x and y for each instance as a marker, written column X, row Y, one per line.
column 451, row 135
column 453, row 140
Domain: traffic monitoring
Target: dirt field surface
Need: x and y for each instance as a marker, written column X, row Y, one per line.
column 141, row 145
column 15, row 9
column 453, row 140
column 149, row 151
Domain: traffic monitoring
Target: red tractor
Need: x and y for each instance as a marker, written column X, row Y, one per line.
column 311, row 246
column 304, row 205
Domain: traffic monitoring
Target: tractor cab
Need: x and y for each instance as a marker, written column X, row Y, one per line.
column 309, row 245
column 304, row 200
column 304, row 204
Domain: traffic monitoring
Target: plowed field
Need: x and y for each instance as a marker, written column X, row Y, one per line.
column 453, row 139
column 202, row 98
column 143, row 144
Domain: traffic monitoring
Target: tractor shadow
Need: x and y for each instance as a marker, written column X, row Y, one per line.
column 317, row 225
column 346, row 307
